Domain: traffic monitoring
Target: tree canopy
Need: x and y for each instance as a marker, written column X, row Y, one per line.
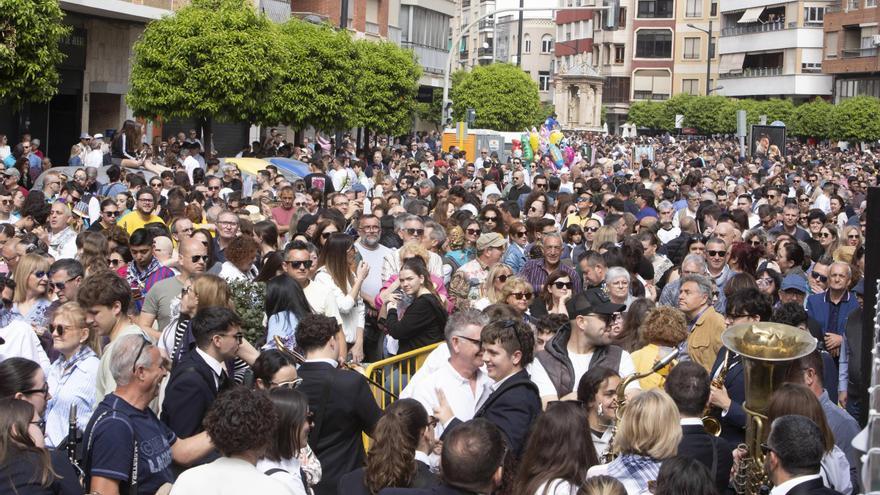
column 386, row 87
column 30, row 32
column 503, row 95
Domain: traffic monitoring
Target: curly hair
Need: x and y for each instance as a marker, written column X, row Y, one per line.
column 664, row 325
column 241, row 250
column 391, row 459
column 241, row 420
column 314, row 331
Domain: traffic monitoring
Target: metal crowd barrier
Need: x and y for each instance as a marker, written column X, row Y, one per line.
column 394, row 373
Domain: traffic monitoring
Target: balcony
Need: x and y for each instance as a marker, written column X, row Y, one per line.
column 779, row 39
column 463, row 54
column 432, row 60
column 754, row 72
column 485, row 53
column 466, row 3
column 756, row 28
column 768, row 84
column 858, row 52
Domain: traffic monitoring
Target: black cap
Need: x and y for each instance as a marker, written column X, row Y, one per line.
column 592, row 301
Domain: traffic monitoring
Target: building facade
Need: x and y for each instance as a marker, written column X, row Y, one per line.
column 772, row 50
column 695, row 20
column 537, row 48
column 851, row 54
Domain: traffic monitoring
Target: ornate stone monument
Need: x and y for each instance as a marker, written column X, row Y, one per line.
column 578, row 98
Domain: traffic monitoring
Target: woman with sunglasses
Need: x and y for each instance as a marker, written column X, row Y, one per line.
column 341, row 270
column 853, row 236
column 828, row 238
column 557, row 292
column 31, row 297
column 517, row 293
column 274, row 368
column 490, row 216
column 491, row 290
column 288, row 453
column 323, row 231
column 72, row 376
column 515, row 256
column 403, row 438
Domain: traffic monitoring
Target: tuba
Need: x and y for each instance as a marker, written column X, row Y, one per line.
column 767, row 350
column 609, row 454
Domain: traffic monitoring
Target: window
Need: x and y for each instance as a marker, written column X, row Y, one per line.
column 654, row 43
column 527, row 44
column 691, row 48
column 814, row 15
column 811, row 67
column 546, row 43
column 690, row 86
column 713, row 8
column 651, row 85
column 870, row 3
column 831, row 45
column 619, row 52
column 621, row 18
column 543, row 80
column 655, row 9
column 693, row 8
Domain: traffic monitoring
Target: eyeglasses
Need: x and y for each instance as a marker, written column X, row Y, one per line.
column 41, row 274
column 59, row 286
column 110, row 214
column 293, row 384
column 43, row 390
column 521, row 295
column 719, row 254
column 591, row 229
column 299, row 264
column 563, row 285
column 199, row 257
column 490, row 219
column 476, row 342
column 824, row 234
column 228, row 224
column 473, row 231
column 415, row 232
column 502, row 278
column 819, row 277
column 370, row 228
column 144, row 343
column 520, row 234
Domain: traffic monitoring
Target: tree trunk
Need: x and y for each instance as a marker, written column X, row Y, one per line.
column 208, row 135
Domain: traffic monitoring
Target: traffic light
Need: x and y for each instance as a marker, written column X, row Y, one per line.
column 612, row 14
column 447, row 114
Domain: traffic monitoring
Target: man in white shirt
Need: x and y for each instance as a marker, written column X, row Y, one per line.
column 190, row 164
column 373, row 254
column 794, row 456
column 465, row 385
column 95, row 157
column 576, row 348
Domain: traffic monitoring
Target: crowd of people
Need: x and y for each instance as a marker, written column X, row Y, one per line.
column 131, row 361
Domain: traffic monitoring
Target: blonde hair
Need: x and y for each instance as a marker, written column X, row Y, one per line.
column 212, row 291
column 606, row 233
column 649, row 426
column 413, row 248
column 664, row 325
column 603, row 485
column 514, row 284
column 28, row 264
column 76, row 316
column 489, row 284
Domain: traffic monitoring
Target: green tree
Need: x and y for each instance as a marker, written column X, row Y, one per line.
column 812, row 119
column 387, row 84
column 857, row 119
column 648, row 115
column 319, row 74
column 29, row 53
column 677, row 105
column 214, row 59
column 504, row 96
column 776, row 109
column 710, row 114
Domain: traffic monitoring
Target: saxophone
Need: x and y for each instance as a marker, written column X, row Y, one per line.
column 710, row 422
column 610, row 454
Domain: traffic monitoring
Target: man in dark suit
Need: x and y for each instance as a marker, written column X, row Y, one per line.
column 794, row 453
column 688, row 385
column 341, row 400
column 471, row 461
column 202, row 374
column 508, row 347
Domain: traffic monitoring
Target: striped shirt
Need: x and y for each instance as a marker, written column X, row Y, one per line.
column 70, row 382
column 536, row 274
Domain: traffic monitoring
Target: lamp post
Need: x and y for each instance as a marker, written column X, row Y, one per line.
column 708, row 53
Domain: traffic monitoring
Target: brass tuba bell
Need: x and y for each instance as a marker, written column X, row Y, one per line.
column 767, row 350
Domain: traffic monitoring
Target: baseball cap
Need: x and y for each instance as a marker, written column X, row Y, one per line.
column 98, row 136
column 593, row 301
column 795, row 282
column 11, row 172
column 85, row 135
column 491, row 239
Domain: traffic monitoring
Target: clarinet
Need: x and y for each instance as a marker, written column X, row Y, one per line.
column 73, row 438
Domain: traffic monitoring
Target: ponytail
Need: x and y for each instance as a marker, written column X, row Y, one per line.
column 391, row 460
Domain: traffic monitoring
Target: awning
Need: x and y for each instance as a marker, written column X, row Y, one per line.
column 663, row 84
column 751, row 15
column 643, row 83
column 731, row 63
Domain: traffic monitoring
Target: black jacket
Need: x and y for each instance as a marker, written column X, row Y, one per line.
column 441, row 489
column 344, row 408
column 734, row 423
column 711, row 451
column 422, row 323
column 190, row 392
column 353, row 483
column 812, row 487
column 512, row 408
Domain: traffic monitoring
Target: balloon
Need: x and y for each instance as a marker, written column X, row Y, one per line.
column 555, row 137
column 534, row 140
column 569, row 155
column 556, row 154
column 527, row 152
column 515, row 144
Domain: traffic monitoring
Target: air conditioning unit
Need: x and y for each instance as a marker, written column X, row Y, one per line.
column 875, row 40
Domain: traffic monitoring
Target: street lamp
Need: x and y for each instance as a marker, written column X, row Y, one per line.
column 708, row 53
column 716, row 88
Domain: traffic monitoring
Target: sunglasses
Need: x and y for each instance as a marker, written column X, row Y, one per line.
column 755, row 243
column 326, row 235
column 563, row 285
column 299, row 264
column 56, row 329
column 519, row 234
column 819, row 277
column 719, row 254
column 503, row 278
column 144, row 343
column 293, row 384
column 213, row 188
column 473, row 231
column 113, row 262
column 41, row 274
column 417, row 232
column 540, row 186
column 59, row 286
column 591, row 229
column 490, row 219
column 199, row 257
column 853, row 236
column 186, row 290
column 113, row 214
column 521, row 295
column 476, row 342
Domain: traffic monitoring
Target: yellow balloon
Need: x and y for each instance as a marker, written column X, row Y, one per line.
column 533, row 140
column 555, row 137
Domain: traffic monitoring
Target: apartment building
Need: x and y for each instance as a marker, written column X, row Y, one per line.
column 694, row 21
column 424, row 28
column 851, row 54
column 537, row 48
column 772, row 50
column 477, row 46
